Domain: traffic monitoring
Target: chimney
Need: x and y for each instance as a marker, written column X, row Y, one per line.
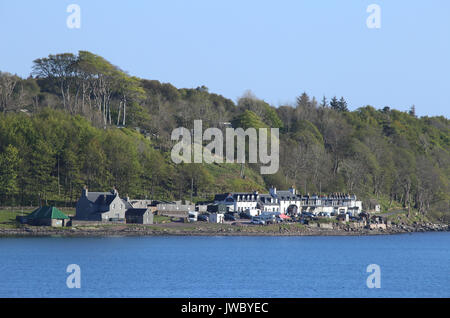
column 84, row 192
column 292, row 190
column 273, row 190
column 114, row 191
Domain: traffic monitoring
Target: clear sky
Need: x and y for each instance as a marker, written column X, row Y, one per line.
column 277, row 49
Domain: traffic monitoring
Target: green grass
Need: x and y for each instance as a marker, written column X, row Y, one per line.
column 158, row 219
column 8, row 218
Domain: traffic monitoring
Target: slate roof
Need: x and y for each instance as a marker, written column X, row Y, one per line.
column 243, row 196
column 265, row 199
column 127, row 204
column 105, row 199
column 101, row 198
column 286, row 195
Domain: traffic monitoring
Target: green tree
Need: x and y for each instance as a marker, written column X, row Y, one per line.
column 9, row 160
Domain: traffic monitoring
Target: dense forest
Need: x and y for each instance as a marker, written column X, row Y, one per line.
column 79, row 120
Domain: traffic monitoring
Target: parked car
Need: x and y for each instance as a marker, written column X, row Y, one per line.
column 244, row 215
column 235, row 214
column 307, row 214
column 203, row 217
column 230, row 217
column 258, row 220
column 193, row 216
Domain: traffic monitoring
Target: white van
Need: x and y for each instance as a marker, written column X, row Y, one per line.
column 193, row 216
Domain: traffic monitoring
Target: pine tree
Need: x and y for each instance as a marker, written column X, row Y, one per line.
column 412, row 111
column 342, row 105
column 324, row 103
column 334, row 103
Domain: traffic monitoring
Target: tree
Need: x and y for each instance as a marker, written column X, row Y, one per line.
column 324, row 102
column 9, row 160
column 62, row 69
column 7, row 85
column 334, row 103
column 195, row 178
column 412, row 111
column 339, row 105
column 342, row 105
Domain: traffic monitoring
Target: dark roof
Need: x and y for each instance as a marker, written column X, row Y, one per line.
column 47, row 212
column 138, row 211
column 127, row 204
column 265, row 199
column 220, row 197
column 101, row 198
column 244, row 196
column 286, row 195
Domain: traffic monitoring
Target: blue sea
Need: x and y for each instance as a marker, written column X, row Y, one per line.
column 411, row 265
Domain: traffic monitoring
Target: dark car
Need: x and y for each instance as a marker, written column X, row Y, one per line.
column 203, row 217
column 230, row 217
column 244, row 215
column 307, row 214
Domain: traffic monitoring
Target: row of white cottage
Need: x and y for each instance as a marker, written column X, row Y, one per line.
column 289, row 202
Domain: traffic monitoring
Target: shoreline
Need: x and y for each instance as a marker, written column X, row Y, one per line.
column 196, row 230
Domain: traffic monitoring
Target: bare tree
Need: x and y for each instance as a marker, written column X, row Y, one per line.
column 7, row 84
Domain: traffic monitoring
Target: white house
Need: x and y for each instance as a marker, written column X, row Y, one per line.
column 238, row 201
column 289, row 202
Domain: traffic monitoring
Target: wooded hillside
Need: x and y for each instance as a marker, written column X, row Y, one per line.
column 74, row 122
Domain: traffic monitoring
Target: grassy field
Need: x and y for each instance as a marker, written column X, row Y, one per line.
column 8, row 217
column 158, row 219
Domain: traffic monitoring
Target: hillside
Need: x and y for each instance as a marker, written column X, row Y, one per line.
column 78, row 120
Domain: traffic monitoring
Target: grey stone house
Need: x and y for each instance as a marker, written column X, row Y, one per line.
column 101, row 206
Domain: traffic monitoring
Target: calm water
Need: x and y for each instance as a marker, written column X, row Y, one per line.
column 415, row 265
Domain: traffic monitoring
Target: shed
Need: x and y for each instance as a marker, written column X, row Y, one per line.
column 139, row 216
column 216, row 218
column 48, row 215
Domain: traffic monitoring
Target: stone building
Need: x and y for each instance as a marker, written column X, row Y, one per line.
column 101, row 206
column 139, row 216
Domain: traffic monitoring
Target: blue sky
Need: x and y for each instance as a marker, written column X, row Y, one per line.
column 277, row 49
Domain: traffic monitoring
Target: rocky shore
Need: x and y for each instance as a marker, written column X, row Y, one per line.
column 201, row 229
